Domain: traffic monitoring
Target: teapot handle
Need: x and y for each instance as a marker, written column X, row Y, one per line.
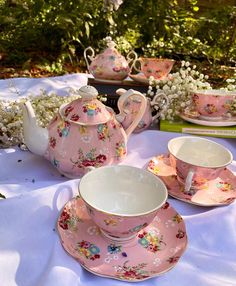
column 90, row 57
column 132, row 57
column 125, row 95
column 155, row 100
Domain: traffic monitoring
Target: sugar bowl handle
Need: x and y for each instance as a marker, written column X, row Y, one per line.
column 90, row 57
column 131, row 58
column 134, row 65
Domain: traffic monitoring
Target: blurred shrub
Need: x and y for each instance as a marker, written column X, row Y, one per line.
column 56, row 31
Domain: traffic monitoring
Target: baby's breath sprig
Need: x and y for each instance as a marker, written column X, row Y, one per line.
column 178, row 87
column 45, row 106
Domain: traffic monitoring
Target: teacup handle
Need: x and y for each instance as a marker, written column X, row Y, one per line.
column 188, row 181
column 134, row 65
column 125, row 95
column 90, row 57
column 155, row 101
column 132, row 57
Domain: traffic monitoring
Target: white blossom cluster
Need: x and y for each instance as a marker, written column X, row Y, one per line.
column 230, row 83
column 45, row 107
column 177, row 87
column 231, row 86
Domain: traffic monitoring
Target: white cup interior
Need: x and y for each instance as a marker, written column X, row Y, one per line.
column 200, row 152
column 123, row 190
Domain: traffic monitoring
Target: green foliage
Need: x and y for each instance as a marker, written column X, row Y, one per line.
column 55, row 31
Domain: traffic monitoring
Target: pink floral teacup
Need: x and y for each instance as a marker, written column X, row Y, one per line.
column 121, row 199
column 158, row 68
column 213, row 104
column 197, row 160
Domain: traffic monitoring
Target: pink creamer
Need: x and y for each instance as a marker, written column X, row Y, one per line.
column 132, row 105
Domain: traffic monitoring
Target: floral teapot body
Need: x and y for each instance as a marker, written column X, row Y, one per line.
column 132, row 105
column 110, row 64
column 84, row 134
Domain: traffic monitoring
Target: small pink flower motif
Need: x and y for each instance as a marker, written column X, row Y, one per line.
column 173, row 259
column 180, row 234
column 224, row 186
column 52, row 142
column 116, row 69
column 68, row 110
column 75, row 117
column 64, row 218
column 210, row 108
column 165, row 206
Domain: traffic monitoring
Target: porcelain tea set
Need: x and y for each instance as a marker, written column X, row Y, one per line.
column 118, row 226
column 111, row 66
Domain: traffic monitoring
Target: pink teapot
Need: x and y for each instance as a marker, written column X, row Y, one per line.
column 132, row 105
column 85, row 133
column 110, row 64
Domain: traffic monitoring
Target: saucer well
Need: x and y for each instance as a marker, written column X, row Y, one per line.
column 217, row 123
column 140, row 78
column 156, row 249
column 218, row 192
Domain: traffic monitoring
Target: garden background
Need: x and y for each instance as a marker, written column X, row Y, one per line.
column 48, row 37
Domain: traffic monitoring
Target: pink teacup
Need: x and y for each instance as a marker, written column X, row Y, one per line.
column 158, row 68
column 197, row 160
column 121, row 199
column 213, row 104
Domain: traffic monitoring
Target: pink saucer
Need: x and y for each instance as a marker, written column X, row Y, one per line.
column 154, row 251
column 141, row 78
column 221, row 191
column 193, row 116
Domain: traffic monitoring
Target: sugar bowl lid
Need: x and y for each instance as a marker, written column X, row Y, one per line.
column 87, row 110
column 110, row 50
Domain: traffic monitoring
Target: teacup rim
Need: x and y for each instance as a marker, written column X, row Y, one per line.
column 214, row 92
column 198, row 165
column 156, row 59
column 125, row 215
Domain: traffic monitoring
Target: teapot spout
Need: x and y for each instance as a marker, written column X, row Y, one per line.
column 36, row 138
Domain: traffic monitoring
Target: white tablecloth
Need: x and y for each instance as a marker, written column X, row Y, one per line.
column 30, row 250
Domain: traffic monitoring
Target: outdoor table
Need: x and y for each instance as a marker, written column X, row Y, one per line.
column 30, row 249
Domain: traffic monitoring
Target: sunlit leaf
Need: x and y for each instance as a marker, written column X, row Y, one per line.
column 87, row 29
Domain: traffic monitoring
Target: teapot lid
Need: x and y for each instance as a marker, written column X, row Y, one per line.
column 111, row 48
column 87, row 110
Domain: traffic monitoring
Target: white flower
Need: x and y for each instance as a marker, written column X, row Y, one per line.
column 166, row 87
column 187, row 64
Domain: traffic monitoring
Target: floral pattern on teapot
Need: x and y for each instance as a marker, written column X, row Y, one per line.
column 100, row 137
